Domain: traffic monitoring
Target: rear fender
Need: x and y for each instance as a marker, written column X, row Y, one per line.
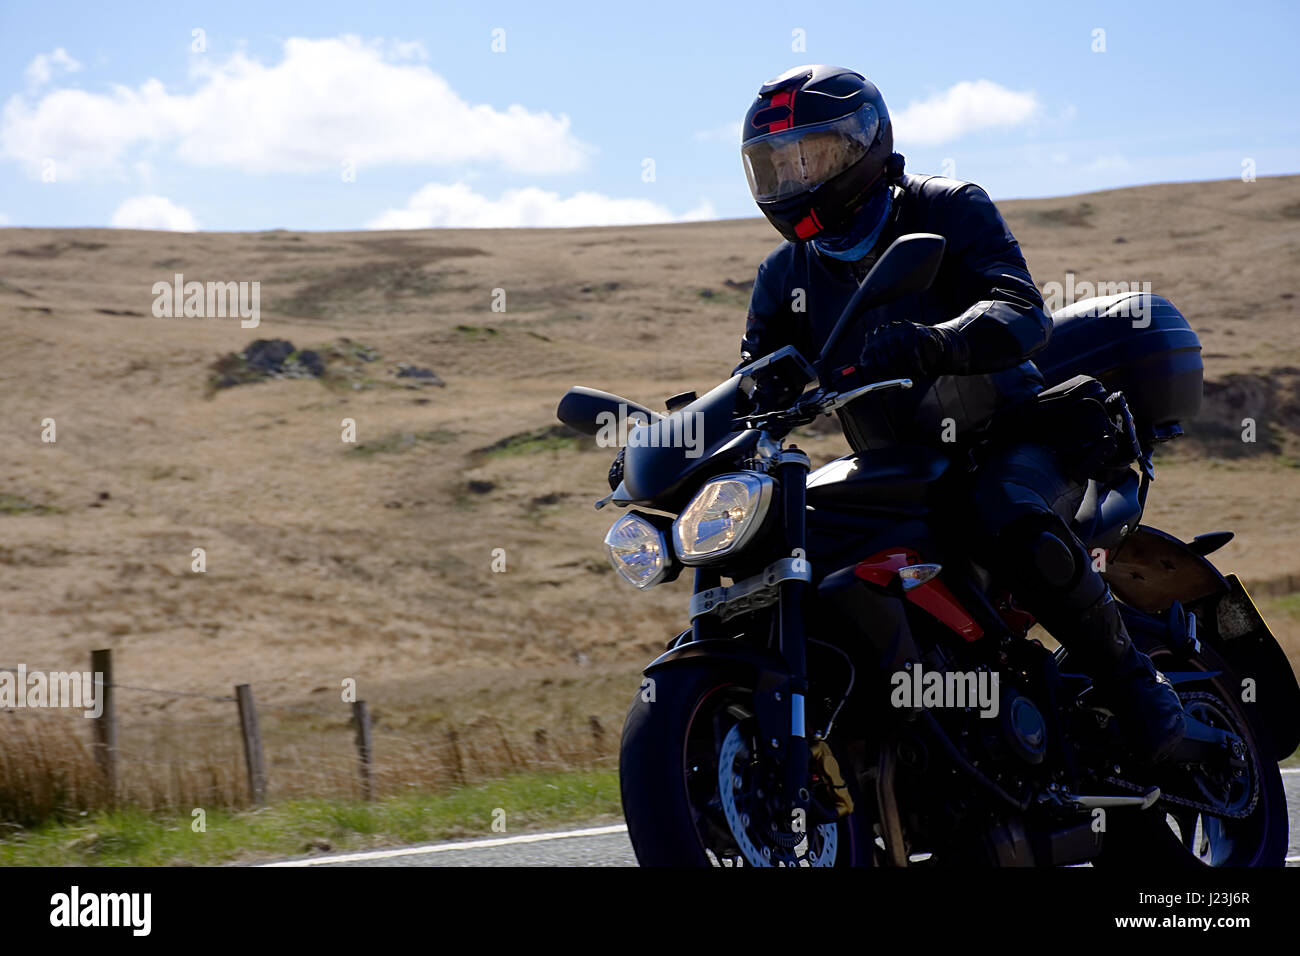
column 1153, row 569
column 1241, row 636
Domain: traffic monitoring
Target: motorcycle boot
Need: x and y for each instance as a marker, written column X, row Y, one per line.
column 1059, row 586
column 1126, row 681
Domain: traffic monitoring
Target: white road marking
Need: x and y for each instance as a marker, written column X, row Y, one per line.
column 445, row 847
column 505, row 841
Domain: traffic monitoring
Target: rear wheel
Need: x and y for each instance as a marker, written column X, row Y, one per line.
column 697, row 789
column 1252, row 830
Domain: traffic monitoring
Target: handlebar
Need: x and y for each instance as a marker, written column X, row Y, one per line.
column 820, row 402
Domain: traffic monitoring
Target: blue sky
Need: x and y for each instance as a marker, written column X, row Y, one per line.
column 330, row 115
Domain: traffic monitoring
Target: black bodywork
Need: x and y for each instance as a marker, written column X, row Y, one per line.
column 903, row 497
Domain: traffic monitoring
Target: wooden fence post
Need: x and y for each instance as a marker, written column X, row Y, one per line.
column 105, row 725
column 361, row 717
column 252, row 743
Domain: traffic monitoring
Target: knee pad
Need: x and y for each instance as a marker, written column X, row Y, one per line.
column 1055, row 560
column 1046, row 564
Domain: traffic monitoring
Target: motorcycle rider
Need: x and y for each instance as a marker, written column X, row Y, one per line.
column 817, row 147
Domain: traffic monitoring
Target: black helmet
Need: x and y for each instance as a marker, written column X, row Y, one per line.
column 816, row 142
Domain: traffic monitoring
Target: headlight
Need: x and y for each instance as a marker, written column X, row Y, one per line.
column 638, row 550
column 722, row 516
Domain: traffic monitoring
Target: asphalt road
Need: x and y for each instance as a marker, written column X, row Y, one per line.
column 599, row 846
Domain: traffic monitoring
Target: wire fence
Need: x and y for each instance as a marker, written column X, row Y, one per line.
column 57, row 761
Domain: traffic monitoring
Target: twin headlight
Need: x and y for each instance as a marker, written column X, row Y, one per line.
column 721, row 518
column 638, row 551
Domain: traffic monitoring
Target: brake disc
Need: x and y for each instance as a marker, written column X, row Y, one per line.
column 731, row 778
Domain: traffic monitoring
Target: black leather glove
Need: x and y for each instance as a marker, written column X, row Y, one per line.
column 616, row 470
column 905, row 349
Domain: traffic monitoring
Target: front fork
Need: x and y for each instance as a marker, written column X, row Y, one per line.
column 789, row 721
column 779, row 697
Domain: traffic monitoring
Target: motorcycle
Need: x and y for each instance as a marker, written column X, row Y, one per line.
column 855, row 689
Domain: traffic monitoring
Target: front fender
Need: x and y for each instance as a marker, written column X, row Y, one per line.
column 763, row 661
column 771, row 677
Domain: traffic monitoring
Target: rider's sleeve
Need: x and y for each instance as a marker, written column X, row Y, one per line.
column 1008, row 322
column 767, row 326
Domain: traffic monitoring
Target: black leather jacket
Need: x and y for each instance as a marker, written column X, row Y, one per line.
column 983, row 290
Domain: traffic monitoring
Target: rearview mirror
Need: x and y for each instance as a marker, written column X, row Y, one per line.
column 907, row 267
column 581, row 409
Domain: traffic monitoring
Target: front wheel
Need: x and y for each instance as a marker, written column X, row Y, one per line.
column 697, row 788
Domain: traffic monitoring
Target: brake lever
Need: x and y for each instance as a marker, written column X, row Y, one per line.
column 840, row 399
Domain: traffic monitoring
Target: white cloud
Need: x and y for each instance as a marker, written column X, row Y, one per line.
column 699, row 213
column 153, row 212
column 42, row 69
column 962, row 108
column 407, row 50
column 458, row 206
column 4, row 220
column 326, row 102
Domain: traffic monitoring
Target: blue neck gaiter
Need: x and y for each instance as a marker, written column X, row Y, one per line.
column 862, row 235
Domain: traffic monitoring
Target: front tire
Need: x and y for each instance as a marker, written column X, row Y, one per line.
column 668, row 768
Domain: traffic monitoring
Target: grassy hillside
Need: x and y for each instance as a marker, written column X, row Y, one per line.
column 374, row 560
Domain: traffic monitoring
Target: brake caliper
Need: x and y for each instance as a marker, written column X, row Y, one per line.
column 829, row 769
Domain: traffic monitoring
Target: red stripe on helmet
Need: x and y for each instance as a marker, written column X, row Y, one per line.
column 808, row 226
column 786, row 99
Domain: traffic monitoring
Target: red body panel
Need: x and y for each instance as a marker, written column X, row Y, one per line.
column 932, row 597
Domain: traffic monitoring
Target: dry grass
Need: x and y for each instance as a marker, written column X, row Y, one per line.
column 374, row 562
column 48, row 769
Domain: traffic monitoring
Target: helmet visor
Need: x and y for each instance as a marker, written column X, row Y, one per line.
column 792, row 161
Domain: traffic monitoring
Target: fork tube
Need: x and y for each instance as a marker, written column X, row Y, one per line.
column 792, row 474
column 705, row 626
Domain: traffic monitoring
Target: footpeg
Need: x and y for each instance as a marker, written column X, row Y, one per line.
column 1108, row 801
